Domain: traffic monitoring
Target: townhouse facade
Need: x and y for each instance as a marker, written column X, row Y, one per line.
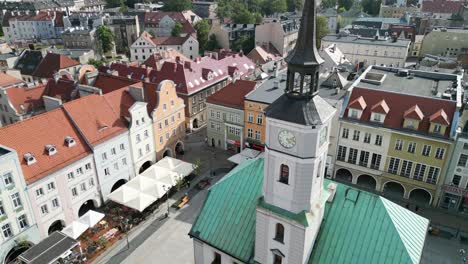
column 225, row 110
column 444, row 42
column 126, row 30
column 226, row 34
column 371, row 51
column 17, row 221
column 396, row 140
column 147, row 45
column 282, row 34
column 162, row 23
column 141, row 137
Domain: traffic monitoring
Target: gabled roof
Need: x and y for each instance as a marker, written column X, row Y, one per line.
column 358, row 103
column 97, row 116
column 62, row 89
column 53, row 63
column 441, row 6
column 31, row 136
column 335, row 80
column 132, row 72
column 414, row 113
column 403, row 106
column 26, row 100
column 380, row 107
column 439, row 117
column 358, row 227
column 8, row 80
column 233, row 94
column 161, row 41
column 155, row 60
column 28, row 61
column 108, row 82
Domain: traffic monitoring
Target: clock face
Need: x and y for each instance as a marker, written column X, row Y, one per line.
column 287, row 139
column 323, row 135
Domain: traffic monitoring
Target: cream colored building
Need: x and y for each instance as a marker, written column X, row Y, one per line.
column 396, row 11
column 281, row 34
column 444, row 42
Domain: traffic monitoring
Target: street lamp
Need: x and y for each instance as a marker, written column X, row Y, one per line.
column 167, row 198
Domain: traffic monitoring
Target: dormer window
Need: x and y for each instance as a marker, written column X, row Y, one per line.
column 29, row 158
column 379, row 111
column 439, row 122
column 356, row 107
column 70, row 142
column 412, row 117
column 51, row 150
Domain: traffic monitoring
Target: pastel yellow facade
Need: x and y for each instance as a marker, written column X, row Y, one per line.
column 254, row 122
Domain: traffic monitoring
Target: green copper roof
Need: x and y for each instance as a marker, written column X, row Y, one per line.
column 300, row 218
column 227, row 219
column 358, row 227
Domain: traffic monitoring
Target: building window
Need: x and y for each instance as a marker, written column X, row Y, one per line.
column 250, row 118
column 116, row 166
column 104, row 156
column 364, row 158
column 23, row 221
column 356, row 135
column 138, row 139
column 55, row 203
column 440, row 153
column 44, row 209
column 106, row 171
column 345, row 133
column 218, row 115
column 259, row 119
column 160, row 125
column 465, row 146
column 16, row 200
column 113, row 151
column 378, row 140
column 398, row 144
column 462, row 160
column 375, row 162
column 354, row 113
column 352, row 155
column 432, row 175
column 79, row 171
column 39, row 192
column 88, row 166
column 6, row 230
column 257, row 135
column 456, row 180
column 8, row 179
column 279, row 233
column 406, row 168
column 437, row 128
column 419, row 171
column 284, row 174
column 83, row 186
column 341, row 153
column 277, row 259
column 377, row 117
column 166, row 122
column 367, row 137
column 426, row 150
column 2, row 209
column 148, row 146
column 217, row 258
column 249, row 133
column 393, row 165
column 411, row 147
column 74, row 192
column 122, row 146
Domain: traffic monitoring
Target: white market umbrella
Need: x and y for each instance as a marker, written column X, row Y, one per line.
column 123, row 194
column 75, row 229
column 144, row 185
column 91, row 218
column 141, row 202
column 177, row 166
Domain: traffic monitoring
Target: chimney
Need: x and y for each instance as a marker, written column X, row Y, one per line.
column 331, row 188
column 177, row 59
column 187, row 65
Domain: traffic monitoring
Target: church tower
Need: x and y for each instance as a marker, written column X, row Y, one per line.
column 291, row 210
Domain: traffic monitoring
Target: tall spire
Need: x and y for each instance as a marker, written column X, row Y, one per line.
column 304, row 61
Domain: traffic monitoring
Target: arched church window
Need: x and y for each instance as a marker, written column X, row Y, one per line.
column 284, row 174
column 279, row 233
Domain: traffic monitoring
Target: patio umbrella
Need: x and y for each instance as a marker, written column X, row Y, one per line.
column 177, row 166
column 141, row 202
column 123, row 194
column 75, row 229
column 144, row 185
column 91, row 218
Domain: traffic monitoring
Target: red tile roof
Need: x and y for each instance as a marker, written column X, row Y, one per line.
column 31, row 136
column 132, row 72
column 26, row 99
column 151, row 95
column 358, row 103
column 7, row 80
column 414, row 113
column 233, row 94
column 169, row 40
column 108, row 82
column 32, row 16
column 53, row 63
column 97, row 117
column 380, row 107
column 157, row 59
column 439, row 117
column 62, row 89
column 120, row 101
column 441, row 6
column 399, row 104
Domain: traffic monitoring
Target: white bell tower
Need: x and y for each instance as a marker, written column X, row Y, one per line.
column 297, row 137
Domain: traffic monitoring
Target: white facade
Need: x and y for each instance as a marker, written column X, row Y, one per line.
column 205, row 254
column 273, row 32
column 59, row 196
column 370, row 51
column 143, row 48
column 302, row 191
column 17, row 221
column 141, row 136
column 113, row 162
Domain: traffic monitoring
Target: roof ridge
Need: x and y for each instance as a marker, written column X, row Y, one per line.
column 31, row 118
column 404, row 94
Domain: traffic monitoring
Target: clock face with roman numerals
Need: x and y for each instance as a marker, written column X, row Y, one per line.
column 286, row 139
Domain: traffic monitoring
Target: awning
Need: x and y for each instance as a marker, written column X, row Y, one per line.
column 54, row 247
column 244, row 155
column 75, row 229
column 152, row 184
column 91, row 218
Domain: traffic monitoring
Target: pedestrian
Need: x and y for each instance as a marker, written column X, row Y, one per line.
column 188, row 184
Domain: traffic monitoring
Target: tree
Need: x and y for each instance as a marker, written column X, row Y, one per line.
column 177, row 5
column 244, row 43
column 123, row 8
column 212, row 43
column 105, row 38
column 278, row 6
column 371, row 7
column 197, row 167
column 328, row 3
column 203, row 30
column 322, row 29
column 243, row 16
column 177, row 29
column 95, row 63
column 258, row 18
column 294, row 5
column 347, row 4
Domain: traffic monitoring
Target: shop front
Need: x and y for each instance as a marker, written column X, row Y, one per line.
column 455, row 199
